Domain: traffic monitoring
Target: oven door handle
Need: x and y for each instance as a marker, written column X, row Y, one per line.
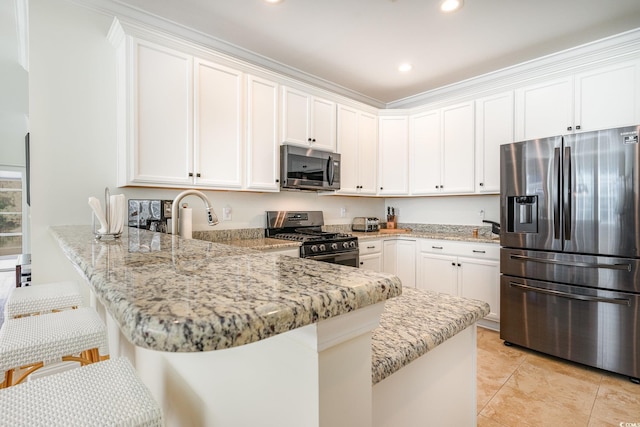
column 618, row 301
column 626, row 267
column 337, row 256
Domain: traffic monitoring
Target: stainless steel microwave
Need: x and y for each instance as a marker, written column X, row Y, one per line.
column 307, row 169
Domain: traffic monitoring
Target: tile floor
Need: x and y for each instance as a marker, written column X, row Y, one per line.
column 520, row 387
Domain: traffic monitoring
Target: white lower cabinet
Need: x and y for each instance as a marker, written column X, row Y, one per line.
column 371, row 255
column 400, row 259
column 463, row 269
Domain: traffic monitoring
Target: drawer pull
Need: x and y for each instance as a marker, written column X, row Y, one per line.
column 479, row 252
column 437, row 247
column 371, row 247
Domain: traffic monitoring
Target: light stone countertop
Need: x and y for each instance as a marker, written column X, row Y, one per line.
column 435, row 235
column 266, row 244
column 415, row 323
column 177, row 295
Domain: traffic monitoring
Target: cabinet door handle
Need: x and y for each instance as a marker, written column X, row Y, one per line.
column 482, row 184
column 361, row 263
column 577, row 127
column 436, row 247
column 190, row 174
column 569, row 128
column 198, row 175
column 479, row 252
column 459, row 265
column 453, row 263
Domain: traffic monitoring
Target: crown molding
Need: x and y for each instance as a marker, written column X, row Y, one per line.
column 135, row 16
column 615, row 48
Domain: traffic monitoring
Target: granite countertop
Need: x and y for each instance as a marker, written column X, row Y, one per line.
column 265, row 243
column 415, row 323
column 435, row 235
column 177, row 295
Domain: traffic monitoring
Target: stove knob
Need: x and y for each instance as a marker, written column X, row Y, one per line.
column 352, row 244
column 334, row 246
column 345, row 245
column 314, row 248
column 323, row 248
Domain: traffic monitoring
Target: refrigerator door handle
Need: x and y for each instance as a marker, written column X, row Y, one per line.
column 567, row 192
column 556, row 193
column 619, row 301
column 626, row 267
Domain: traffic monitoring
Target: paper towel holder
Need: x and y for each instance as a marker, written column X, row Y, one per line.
column 97, row 234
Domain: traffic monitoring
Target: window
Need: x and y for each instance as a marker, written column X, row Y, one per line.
column 11, row 213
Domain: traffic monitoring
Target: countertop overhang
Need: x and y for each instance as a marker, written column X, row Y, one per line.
column 171, row 294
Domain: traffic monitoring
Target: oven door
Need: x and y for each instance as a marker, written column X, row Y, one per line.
column 351, row 258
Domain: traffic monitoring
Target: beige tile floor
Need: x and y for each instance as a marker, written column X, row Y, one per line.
column 520, row 387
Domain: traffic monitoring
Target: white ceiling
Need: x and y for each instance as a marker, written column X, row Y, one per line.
column 358, row 44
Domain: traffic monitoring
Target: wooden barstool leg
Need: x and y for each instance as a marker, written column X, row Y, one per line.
column 8, row 379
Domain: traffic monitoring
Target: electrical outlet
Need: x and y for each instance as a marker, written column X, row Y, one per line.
column 481, row 213
column 343, row 212
column 226, row 213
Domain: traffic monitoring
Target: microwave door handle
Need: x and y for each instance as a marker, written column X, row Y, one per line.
column 330, row 170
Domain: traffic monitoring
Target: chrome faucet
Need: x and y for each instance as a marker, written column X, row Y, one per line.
column 211, row 215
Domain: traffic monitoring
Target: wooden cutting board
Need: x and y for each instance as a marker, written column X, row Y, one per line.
column 393, row 230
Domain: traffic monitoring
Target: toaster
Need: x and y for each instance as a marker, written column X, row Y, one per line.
column 361, row 223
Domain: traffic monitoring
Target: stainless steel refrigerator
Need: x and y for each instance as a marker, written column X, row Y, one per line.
column 570, row 257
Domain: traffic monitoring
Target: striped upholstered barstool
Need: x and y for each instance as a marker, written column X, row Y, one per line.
column 105, row 393
column 40, row 299
column 28, row 343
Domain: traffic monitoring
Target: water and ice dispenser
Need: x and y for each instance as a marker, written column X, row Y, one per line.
column 522, row 215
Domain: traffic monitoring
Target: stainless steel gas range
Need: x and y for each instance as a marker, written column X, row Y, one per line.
column 306, row 227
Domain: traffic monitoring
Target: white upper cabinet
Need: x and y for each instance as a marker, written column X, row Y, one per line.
column 426, row 153
column 544, row 109
column 308, row 120
column 263, row 154
column 608, row 97
column 189, row 122
column 458, row 149
column 160, row 113
column 442, row 150
column 393, row 178
column 602, row 98
column 218, row 114
column 358, row 148
column 494, row 127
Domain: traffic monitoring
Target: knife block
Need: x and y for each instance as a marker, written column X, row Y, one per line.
column 391, row 221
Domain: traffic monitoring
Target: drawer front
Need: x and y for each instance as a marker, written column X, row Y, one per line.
column 370, row 246
column 473, row 250
column 444, row 247
column 479, row 250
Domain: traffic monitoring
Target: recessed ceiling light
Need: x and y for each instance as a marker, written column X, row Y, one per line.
column 273, row 1
column 405, row 67
column 450, row 5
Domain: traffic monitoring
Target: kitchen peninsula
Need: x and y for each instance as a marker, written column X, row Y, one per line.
column 293, row 337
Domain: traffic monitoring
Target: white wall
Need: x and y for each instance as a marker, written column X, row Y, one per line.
column 72, row 122
column 72, row 87
column 446, row 210
column 14, row 89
